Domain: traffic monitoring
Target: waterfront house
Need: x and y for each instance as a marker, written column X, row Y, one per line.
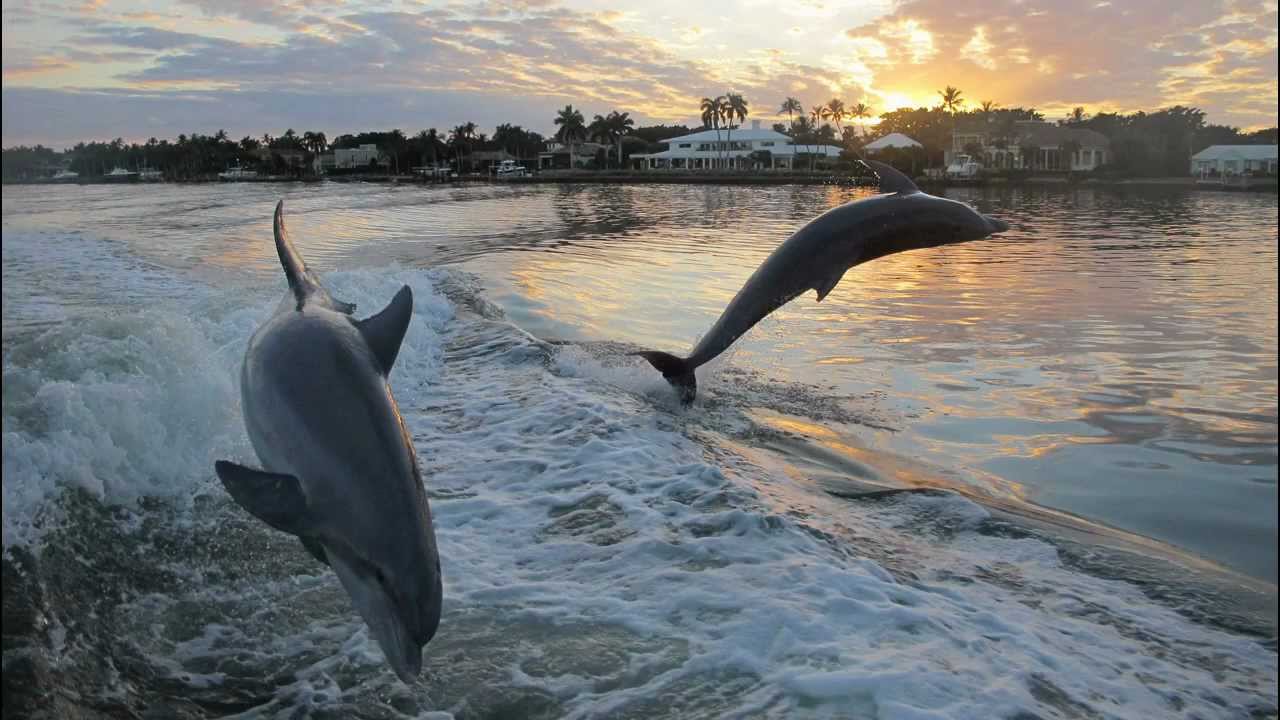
column 277, row 159
column 1228, row 160
column 1029, row 145
column 358, row 157
column 890, row 142
column 556, row 155
column 323, row 163
column 743, row 148
column 486, row 160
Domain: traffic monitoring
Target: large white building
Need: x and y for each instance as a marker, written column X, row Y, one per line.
column 723, row 149
column 1030, row 145
column 1234, row 160
column 359, row 157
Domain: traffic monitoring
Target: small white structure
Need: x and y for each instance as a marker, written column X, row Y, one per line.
column 892, row 140
column 509, row 168
column 1227, row 160
column 357, row 157
column 722, row 148
column 963, row 167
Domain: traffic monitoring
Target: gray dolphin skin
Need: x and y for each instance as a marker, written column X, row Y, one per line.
column 818, row 255
column 339, row 470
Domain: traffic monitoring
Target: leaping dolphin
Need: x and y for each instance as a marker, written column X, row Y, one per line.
column 819, row 254
column 339, row 470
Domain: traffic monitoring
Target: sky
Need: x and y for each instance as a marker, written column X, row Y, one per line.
column 93, row 69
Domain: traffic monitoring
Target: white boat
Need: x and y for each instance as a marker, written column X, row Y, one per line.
column 432, row 172
column 963, row 168
column 509, row 168
column 147, row 174
column 120, row 175
column 237, row 174
column 65, row 176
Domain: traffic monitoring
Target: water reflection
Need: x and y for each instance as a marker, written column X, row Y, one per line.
column 1114, row 354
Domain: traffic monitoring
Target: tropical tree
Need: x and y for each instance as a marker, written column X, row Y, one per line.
column 572, row 129
column 712, row 113
column 1077, row 116
column 952, row 99
column 860, row 110
column 734, row 106
column 600, row 131
column 460, row 138
column 620, row 125
column 815, row 122
column 790, row 106
column 835, row 111
column 428, row 142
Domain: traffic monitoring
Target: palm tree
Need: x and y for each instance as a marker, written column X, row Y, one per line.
column 572, row 128
column 600, row 130
column 835, row 112
column 460, row 138
column 860, row 110
column 712, row 113
column 734, row 106
column 1077, row 116
column 790, row 106
column 620, row 124
column 427, row 142
column 815, row 120
column 951, row 99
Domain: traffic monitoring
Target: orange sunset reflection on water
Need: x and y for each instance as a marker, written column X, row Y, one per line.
column 1113, row 355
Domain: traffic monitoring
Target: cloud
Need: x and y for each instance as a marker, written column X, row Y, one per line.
column 492, row 61
column 1142, row 54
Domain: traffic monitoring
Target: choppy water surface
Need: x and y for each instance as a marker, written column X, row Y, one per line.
column 608, row 554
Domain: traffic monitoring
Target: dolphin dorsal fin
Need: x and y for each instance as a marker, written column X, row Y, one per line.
column 385, row 331
column 891, row 180
column 302, row 282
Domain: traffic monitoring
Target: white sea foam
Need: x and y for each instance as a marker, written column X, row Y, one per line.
column 592, row 550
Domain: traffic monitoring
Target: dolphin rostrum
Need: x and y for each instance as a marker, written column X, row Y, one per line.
column 819, row 254
column 339, row 470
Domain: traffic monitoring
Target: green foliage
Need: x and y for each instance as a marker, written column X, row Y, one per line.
column 29, row 163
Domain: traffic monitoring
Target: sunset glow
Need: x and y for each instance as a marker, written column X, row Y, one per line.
column 137, row 69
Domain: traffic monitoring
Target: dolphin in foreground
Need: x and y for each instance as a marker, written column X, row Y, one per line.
column 818, row 255
column 339, row 470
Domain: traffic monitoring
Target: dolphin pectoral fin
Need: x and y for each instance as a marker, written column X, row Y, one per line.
column 385, row 331
column 275, row 499
column 827, row 284
column 314, row 547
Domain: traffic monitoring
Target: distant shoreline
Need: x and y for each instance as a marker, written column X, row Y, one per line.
column 699, row 178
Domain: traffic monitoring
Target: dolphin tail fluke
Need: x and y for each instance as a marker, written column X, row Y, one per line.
column 676, row 371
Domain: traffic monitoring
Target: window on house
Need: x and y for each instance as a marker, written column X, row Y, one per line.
column 685, row 145
column 767, row 143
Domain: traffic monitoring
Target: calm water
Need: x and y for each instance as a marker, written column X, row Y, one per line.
column 1113, row 357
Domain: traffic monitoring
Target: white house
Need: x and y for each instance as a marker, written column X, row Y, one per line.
column 556, row 155
column 357, row 157
column 1030, row 145
column 724, row 149
column 892, row 140
column 1234, row 160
